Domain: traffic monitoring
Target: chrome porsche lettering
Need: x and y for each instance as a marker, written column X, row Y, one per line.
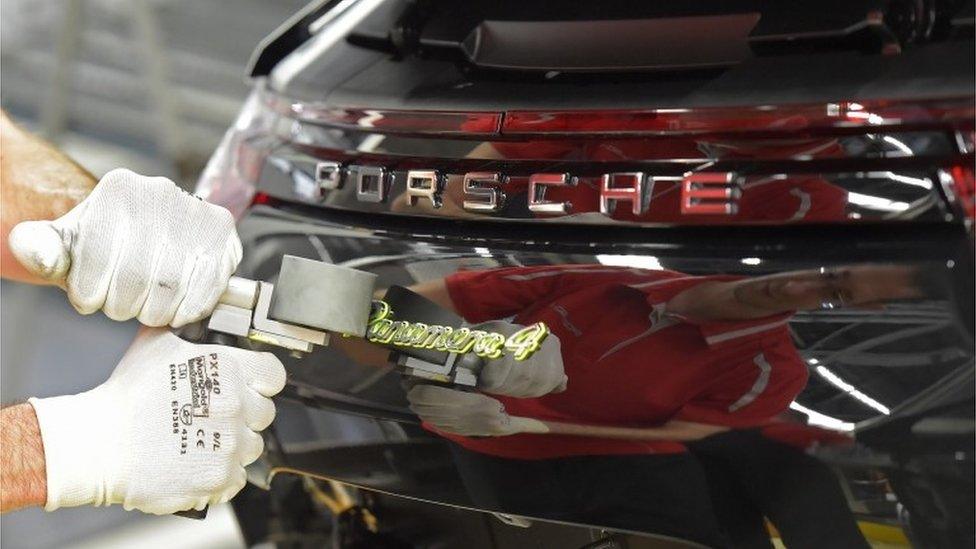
column 328, row 175
column 371, row 182
column 483, row 192
column 709, row 193
column 702, row 192
column 625, row 187
column 426, row 184
column 538, row 183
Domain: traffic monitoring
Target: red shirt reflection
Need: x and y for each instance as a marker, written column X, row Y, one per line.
column 629, row 363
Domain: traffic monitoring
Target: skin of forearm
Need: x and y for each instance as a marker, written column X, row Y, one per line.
column 23, row 478
column 703, row 302
column 674, row 430
column 36, row 182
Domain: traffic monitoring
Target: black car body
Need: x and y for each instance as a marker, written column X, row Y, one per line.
column 418, row 139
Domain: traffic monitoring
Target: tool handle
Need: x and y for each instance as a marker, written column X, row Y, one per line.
column 240, row 292
column 673, row 430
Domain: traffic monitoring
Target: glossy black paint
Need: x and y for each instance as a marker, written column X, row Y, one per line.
column 890, row 383
column 355, row 427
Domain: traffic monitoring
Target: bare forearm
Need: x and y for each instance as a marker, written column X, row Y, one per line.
column 866, row 286
column 23, row 480
column 38, row 182
column 684, row 431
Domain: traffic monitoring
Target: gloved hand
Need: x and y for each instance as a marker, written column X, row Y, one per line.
column 540, row 374
column 468, row 414
column 171, row 429
column 135, row 247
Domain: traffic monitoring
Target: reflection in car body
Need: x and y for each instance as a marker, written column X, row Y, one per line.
column 764, row 311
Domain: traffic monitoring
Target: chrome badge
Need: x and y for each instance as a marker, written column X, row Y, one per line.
column 486, row 193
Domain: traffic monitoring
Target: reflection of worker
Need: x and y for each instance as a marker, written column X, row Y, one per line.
column 640, row 348
column 176, row 422
column 658, row 345
column 755, row 474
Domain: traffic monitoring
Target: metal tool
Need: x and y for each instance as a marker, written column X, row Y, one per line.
column 310, row 299
column 429, row 364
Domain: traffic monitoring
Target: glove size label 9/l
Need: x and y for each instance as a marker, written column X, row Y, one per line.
column 193, row 385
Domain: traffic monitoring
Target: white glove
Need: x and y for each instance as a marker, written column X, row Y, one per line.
column 171, row 429
column 540, row 374
column 135, row 247
column 468, row 414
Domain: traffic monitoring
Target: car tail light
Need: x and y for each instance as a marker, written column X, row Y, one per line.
column 230, row 177
column 391, row 121
column 836, row 117
column 844, row 162
column 963, row 190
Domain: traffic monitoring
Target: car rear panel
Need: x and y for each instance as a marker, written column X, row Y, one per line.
column 419, row 140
